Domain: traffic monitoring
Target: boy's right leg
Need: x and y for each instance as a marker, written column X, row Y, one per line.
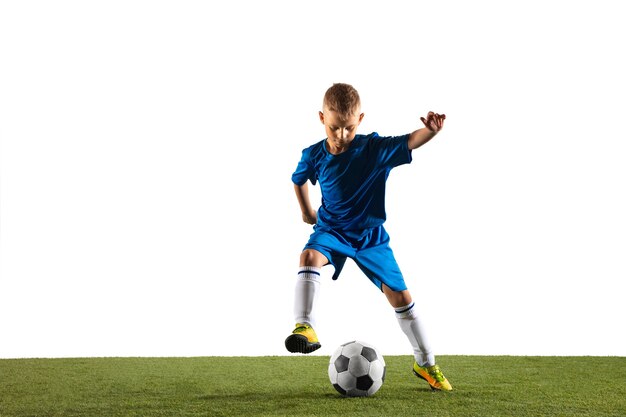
column 303, row 339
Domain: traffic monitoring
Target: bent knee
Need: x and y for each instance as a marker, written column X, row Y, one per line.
column 397, row 298
column 311, row 257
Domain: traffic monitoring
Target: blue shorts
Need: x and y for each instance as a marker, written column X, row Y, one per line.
column 368, row 249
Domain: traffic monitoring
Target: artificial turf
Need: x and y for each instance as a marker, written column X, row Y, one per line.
column 299, row 386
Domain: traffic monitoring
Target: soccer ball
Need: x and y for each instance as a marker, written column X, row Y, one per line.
column 356, row 369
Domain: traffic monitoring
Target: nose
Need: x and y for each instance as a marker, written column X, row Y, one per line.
column 343, row 133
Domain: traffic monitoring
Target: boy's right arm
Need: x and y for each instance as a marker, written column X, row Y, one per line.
column 302, row 194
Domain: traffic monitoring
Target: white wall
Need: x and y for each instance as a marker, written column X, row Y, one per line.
column 147, row 148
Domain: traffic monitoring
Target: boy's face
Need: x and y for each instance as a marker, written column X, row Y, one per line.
column 340, row 129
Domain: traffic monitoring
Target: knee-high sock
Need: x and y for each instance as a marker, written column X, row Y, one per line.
column 307, row 287
column 414, row 330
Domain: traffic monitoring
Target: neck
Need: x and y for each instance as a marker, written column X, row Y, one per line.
column 336, row 149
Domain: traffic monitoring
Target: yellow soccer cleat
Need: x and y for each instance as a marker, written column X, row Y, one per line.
column 302, row 340
column 433, row 376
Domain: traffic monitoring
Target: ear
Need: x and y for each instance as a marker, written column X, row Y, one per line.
column 361, row 116
column 321, row 117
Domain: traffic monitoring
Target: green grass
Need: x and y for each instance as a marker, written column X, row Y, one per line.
column 298, row 386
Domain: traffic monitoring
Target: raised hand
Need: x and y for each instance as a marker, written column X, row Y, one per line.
column 433, row 121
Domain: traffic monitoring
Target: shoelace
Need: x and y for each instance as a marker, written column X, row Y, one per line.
column 436, row 373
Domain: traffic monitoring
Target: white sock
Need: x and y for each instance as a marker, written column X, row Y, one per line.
column 414, row 330
column 307, row 287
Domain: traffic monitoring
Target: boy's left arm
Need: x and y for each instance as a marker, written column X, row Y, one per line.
column 433, row 123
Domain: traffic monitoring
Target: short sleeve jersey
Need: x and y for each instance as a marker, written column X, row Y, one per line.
column 353, row 183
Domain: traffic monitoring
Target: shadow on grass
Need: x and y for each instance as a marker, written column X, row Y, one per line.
column 306, row 395
column 264, row 396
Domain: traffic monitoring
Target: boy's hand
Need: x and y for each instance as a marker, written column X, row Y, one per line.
column 310, row 218
column 433, row 121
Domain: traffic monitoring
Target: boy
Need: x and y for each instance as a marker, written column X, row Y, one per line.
column 352, row 170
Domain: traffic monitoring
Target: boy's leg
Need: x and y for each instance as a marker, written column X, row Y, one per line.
column 410, row 324
column 424, row 366
column 303, row 339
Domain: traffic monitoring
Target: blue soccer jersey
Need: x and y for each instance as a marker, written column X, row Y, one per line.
column 353, row 182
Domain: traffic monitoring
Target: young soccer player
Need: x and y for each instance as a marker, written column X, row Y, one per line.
column 352, row 170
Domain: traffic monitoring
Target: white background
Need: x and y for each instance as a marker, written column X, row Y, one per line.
column 147, row 149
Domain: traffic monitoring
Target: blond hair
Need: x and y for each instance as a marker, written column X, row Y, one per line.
column 343, row 99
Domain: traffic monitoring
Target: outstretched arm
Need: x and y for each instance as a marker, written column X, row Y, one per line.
column 302, row 194
column 433, row 123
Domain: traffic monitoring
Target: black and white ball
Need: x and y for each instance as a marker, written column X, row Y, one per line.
column 357, row 369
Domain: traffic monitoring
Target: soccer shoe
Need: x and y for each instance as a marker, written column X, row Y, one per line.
column 302, row 340
column 433, row 376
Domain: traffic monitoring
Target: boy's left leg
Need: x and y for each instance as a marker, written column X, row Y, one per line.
column 424, row 366
column 410, row 324
column 376, row 259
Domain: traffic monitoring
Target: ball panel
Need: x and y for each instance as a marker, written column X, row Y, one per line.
column 377, row 370
column 364, row 382
column 352, row 349
column 342, row 363
column 358, row 366
column 369, row 353
column 346, row 380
